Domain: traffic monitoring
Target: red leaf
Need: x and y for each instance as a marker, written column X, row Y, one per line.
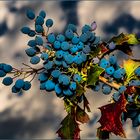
column 103, row 47
column 111, row 117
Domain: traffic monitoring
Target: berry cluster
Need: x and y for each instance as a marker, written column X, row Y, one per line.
column 63, row 55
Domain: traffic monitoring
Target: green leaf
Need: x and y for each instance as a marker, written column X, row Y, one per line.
column 130, row 39
column 95, row 51
column 68, row 105
column 93, row 74
column 130, row 66
column 81, row 115
column 69, row 128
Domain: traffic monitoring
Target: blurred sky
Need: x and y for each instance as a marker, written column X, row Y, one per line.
column 37, row 114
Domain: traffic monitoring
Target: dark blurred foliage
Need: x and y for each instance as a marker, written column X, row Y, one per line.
column 70, row 10
column 124, row 20
column 3, row 28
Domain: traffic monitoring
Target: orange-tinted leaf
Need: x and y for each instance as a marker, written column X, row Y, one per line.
column 86, row 104
column 111, row 117
column 81, row 115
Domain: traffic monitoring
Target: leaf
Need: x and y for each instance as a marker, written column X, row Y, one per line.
column 130, row 39
column 93, row 74
column 95, row 51
column 79, row 90
column 111, row 117
column 81, row 115
column 86, row 103
column 68, row 105
column 103, row 47
column 69, row 128
column 130, row 66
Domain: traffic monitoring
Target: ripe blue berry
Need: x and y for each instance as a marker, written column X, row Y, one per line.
column 97, row 87
column 32, row 43
column 55, row 73
column 2, row 73
column 25, row 30
column 73, row 49
column 80, row 45
column 67, row 92
column 43, row 77
column 60, row 38
column 110, row 70
column 50, row 85
column 7, row 81
column 49, row 22
column 97, row 40
column 42, row 13
column 59, row 54
column 19, row 83
column 44, row 56
column 15, row 90
column 30, row 51
column 7, row 68
column 72, row 27
column 30, row 14
column 86, row 49
column 83, row 37
column 58, row 89
column 122, row 89
column 35, row 60
column 65, row 46
column 75, row 39
column 104, row 63
column 51, row 38
column 39, row 40
column 69, row 58
column 77, row 78
column 49, row 65
column 86, row 28
column 39, row 29
column 27, row 85
column 137, row 71
column 116, row 96
column 64, row 79
column 69, row 34
column 113, row 59
column 57, row 45
column 32, row 33
column 106, row 89
column 39, row 20
column 73, row 86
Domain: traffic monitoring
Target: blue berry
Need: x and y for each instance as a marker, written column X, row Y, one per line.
column 48, row 65
column 104, row 63
column 78, row 59
column 49, row 22
column 68, row 58
column 42, row 13
column 97, row 40
column 64, row 79
column 118, row 74
column 30, row 51
column 39, row 40
column 57, row 45
column 39, row 29
column 42, row 85
column 110, row 70
column 60, row 38
column 134, row 83
column 69, row 34
column 65, row 65
column 86, row 49
column 113, row 59
column 15, row 90
column 44, row 56
column 2, row 73
column 55, row 73
column 83, row 37
column 80, row 45
column 122, row 89
column 35, row 60
column 77, row 78
column 25, row 30
column 50, row 85
column 106, row 89
column 65, row 46
column 42, row 77
column 59, row 54
column 137, row 71
column 30, row 14
column 27, row 85
column 86, row 28
column 58, row 89
column 67, row 92
column 73, row 86
column 32, row 33
column 19, row 83
column 111, row 45
column 7, row 81
column 51, row 38
column 32, row 43
column 58, row 62
column 73, row 49
column 96, row 88
column 72, row 27
column 116, row 96
column 39, row 20
column 75, row 39
column 7, row 68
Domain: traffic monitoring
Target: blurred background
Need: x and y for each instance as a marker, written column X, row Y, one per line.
column 37, row 114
